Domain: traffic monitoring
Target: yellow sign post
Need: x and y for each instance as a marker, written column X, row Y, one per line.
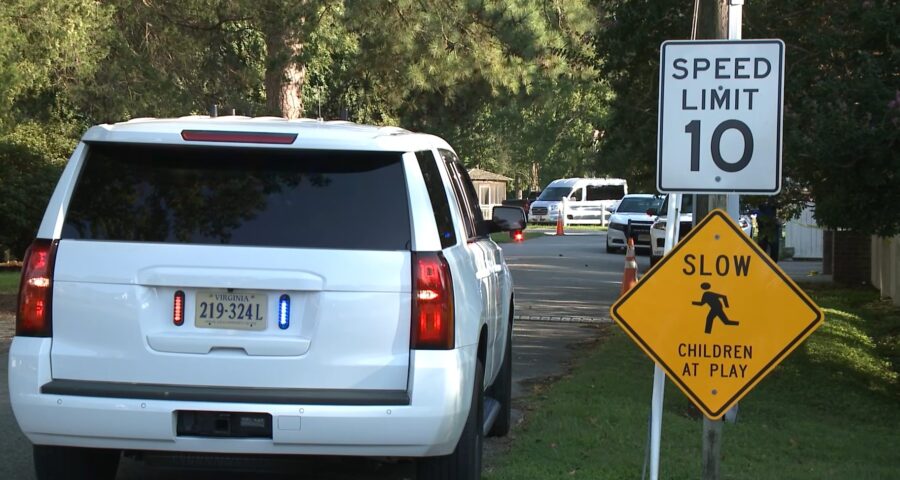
column 717, row 314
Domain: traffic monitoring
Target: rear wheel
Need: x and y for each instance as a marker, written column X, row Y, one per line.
column 73, row 463
column 501, row 390
column 465, row 461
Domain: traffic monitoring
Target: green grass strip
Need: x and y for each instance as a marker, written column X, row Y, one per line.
column 580, row 228
column 830, row 411
column 9, row 282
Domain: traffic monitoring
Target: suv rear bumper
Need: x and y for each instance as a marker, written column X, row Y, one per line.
column 440, row 389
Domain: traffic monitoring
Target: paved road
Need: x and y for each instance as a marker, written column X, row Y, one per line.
column 556, row 277
column 566, row 276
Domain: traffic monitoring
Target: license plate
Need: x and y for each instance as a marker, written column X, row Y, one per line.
column 237, row 310
column 644, row 237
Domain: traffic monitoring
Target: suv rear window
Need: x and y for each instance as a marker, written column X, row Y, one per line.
column 241, row 196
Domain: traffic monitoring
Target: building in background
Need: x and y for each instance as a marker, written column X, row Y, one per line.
column 491, row 189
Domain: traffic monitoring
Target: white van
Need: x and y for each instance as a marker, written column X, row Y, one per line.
column 588, row 200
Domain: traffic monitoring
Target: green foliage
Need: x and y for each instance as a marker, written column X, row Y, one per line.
column 841, row 130
column 628, row 43
column 178, row 58
column 490, row 78
column 9, row 282
column 31, row 159
column 531, row 90
column 46, row 49
column 842, row 114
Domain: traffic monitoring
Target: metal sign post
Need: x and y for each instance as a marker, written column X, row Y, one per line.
column 720, row 128
column 673, row 227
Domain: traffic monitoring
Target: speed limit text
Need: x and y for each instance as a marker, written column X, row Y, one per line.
column 720, row 98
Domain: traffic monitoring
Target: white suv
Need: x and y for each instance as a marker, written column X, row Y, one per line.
column 632, row 216
column 263, row 286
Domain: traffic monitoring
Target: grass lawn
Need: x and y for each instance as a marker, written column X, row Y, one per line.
column 9, row 282
column 831, row 410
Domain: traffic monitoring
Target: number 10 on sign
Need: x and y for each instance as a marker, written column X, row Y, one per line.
column 693, row 128
column 720, row 117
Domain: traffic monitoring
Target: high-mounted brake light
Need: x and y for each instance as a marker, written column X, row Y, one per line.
column 517, row 235
column 33, row 318
column 178, row 314
column 238, row 137
column 432, row 309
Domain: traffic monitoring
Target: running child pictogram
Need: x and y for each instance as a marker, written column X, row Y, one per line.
column 717, row 304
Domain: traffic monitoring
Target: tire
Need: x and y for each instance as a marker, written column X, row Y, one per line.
column 609, row 248
column 73, row 463
column 465, row 461
column 501, row 390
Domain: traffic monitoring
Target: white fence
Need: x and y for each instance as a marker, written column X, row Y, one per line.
column 803, row 235
column 886, row 267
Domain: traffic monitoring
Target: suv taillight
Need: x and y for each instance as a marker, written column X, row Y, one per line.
column 432, row 308
column 35, row 290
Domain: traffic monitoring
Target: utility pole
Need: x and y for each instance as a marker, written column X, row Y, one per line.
column 719, row 19
column 713, row 24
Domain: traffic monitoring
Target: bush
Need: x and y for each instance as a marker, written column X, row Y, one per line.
column 31, row 159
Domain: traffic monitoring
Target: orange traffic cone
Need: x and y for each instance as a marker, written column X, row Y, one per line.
column 560, row 230
column 629, row 278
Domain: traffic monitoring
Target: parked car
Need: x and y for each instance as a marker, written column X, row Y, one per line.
column 686, row 219
column 263, row 286
column 588, row 200
column 658, row 229
column 632, row 217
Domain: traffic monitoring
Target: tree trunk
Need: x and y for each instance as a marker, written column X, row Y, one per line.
column 284, row 76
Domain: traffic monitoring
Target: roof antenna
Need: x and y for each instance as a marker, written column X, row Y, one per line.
column 214, row 111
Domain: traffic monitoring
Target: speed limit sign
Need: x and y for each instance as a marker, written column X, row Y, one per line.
column 720, row 109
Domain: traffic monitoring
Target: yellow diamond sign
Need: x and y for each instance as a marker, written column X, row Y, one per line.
column 717, row 314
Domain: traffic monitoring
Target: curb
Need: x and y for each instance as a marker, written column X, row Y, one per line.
column 561, row 319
